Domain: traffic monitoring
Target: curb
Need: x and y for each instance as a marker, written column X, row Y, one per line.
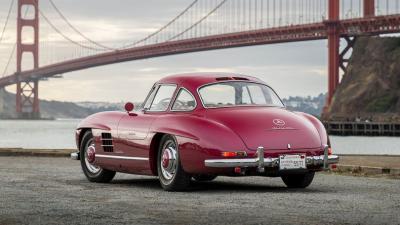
column 36, row 152
column 366, row 170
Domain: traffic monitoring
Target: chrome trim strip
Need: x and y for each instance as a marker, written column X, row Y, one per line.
column 268, row 162
column 121, row 157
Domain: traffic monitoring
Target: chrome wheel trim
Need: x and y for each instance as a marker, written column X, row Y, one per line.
column 90, row 166
column 170, row 154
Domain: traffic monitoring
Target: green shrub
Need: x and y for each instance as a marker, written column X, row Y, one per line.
column 381, row 104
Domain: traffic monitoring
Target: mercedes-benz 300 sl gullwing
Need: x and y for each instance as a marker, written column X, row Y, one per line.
column 200, row 126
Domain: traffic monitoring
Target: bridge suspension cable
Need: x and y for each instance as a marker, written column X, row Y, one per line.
column 65, row 36
column 76, row 30
column 199, row 21
column 9, row 60
column 163, row 27
column 6, row 21
column 2, row 36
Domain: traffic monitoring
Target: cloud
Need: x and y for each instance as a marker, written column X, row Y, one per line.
column 149, row 69
column 319, row 71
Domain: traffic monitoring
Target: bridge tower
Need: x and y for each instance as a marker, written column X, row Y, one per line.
column 336, row 58
column 27, row 97
column 369, row 8
column 333, row 48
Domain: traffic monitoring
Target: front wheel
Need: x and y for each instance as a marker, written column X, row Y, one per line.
column 170, row 172
column 298, row 180
column 92, row 172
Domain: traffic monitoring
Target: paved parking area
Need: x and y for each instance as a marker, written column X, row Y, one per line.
column 36, row 190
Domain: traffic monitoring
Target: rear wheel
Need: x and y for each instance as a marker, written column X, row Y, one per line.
column 298, row 180
column 204, row 177
column 92, row 172
column 170, row 172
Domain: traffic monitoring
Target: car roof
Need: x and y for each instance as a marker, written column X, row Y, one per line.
column 195, row 80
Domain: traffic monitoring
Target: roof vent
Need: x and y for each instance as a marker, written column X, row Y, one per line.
column 223, row 78
column 240, row 78
column 230, row 78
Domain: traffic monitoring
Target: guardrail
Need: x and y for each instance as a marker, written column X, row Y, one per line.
column 344, row 128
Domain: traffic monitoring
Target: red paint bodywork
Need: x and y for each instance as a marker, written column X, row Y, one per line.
column 202, row 133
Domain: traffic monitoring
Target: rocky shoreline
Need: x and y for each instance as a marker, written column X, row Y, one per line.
column 369, row 90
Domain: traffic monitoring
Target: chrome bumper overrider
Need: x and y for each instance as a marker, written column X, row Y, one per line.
column 260, row 162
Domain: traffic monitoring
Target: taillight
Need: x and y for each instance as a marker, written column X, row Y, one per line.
column 234, row 154
column 228, row 154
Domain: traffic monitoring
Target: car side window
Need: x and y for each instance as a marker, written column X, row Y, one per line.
column 184, row 101
column 149, row 100
column 163, row 97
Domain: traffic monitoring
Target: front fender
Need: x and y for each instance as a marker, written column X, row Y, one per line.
column 103, row 121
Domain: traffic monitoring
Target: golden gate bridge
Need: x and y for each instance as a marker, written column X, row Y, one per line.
column 203, row 25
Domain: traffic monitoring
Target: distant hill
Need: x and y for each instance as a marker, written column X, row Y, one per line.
column 54, row 109
column 310, row 105
column 57, row 109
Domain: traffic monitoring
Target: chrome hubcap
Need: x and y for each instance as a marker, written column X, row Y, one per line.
column 168, row 160
column 90, row 152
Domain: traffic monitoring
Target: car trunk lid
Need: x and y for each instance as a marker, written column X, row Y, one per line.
column 270, row 127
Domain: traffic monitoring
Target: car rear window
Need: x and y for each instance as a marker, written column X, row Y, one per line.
column 238, row 93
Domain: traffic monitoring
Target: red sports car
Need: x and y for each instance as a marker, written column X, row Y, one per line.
column 200, row 126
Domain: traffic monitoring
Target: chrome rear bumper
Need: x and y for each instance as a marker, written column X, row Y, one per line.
column 260, row 162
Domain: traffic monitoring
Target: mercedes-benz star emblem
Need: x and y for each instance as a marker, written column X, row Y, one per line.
column 279, row 122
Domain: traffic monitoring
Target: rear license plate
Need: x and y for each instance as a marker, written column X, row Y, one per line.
column 289, row 162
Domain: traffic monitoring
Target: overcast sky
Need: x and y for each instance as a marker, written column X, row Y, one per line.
column 291, row 69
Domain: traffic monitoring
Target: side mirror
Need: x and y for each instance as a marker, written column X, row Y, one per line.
column 129, row 108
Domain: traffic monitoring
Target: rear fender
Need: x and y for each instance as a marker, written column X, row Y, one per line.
column 318, row 125
column 198, row 139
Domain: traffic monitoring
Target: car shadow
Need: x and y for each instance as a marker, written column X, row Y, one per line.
column 149, row 183
column 231, row 186
column 216, row 186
